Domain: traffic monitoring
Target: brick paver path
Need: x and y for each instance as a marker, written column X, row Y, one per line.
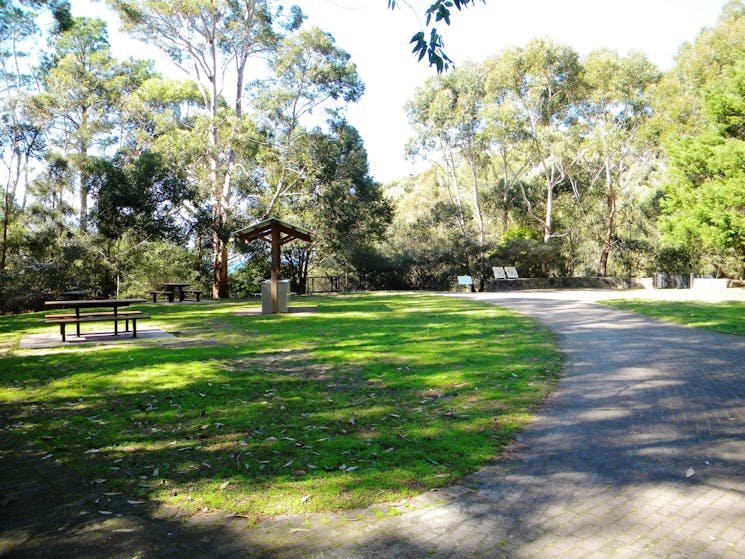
column 640, row 453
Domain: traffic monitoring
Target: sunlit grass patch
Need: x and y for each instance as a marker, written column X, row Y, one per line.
column 373, row 398
column 726, row 317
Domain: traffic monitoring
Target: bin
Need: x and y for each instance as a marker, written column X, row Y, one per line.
column 283, row 296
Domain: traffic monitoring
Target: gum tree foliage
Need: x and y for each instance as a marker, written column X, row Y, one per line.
column 21, row 134
column 430, row 43
column 552, row 148
column 21, row 138
column 614, row 150
column 84, row 91
column 213, row 42
column 309, row 73
column 512, row 113
column 447, row 116
column 545, row 78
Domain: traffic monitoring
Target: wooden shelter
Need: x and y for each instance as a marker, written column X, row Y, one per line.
column 277, row 233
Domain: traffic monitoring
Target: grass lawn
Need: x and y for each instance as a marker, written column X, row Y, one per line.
column 727, row 317
column 374, row 398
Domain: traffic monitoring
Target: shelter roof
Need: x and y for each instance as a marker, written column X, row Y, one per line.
column 266, row 228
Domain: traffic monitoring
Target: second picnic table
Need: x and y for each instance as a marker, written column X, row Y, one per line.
column 171, row 289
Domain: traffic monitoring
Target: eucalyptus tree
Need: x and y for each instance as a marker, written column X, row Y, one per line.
column 428, row 112
column 447, row 117
column 546, row 87
column 614, row 152
column 309, row 73
column 213, row 43
column 506, row 129
column 21, row 138
column 84, row 87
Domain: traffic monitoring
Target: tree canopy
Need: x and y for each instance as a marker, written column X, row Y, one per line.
column 559, row 162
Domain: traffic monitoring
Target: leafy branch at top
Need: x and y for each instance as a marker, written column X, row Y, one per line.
column 433, row 47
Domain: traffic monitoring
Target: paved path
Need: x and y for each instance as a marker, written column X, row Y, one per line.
column 640, row 453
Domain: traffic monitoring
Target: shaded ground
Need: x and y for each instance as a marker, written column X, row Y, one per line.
column 51, row 338
column 641, row 453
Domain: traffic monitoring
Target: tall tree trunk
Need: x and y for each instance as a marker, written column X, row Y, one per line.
column 477, row 202
column 610, row 222
column 84, row 180
column 548, row 220
column 220, row 272
column 6, row 224
column 505, row 193
column 220, row 289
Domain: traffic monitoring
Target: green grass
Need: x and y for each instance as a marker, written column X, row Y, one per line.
column 727, row 317
column 374, row 398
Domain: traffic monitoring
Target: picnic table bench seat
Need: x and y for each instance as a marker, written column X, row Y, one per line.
column 120, row 314
column 171, row 294
column 168, row 294
column 126, row 316
column 196, row 293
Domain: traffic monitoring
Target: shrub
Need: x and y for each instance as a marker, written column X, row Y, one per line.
column 674, row 260
column 532, row 258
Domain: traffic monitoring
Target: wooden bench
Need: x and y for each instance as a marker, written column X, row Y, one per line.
column 126, row 316
column 195, row 293
column 168, row 294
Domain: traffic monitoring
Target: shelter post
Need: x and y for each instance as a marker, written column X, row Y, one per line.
column 276, row 263
column 277, row 233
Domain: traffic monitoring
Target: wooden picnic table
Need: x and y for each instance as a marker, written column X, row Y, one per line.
column 78, row 317
column 177, row 288
column 172, row 289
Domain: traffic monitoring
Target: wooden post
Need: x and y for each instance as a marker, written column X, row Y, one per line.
column 276, row 264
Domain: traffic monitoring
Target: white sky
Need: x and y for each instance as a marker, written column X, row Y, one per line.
column 377, row 39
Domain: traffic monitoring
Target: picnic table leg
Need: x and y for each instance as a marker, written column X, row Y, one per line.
column 62, row 331
column 77, row 324
column 134, row 327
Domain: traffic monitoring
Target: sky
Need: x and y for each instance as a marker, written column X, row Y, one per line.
column 378, row 41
